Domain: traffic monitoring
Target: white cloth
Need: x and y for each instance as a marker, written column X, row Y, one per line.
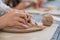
column 3, row 7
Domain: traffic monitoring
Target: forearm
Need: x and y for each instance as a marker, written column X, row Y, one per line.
column 22, row 5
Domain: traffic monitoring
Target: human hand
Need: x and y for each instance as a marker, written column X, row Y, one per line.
column 13, row 17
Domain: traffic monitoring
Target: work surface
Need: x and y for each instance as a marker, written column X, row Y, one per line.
column 45, row 34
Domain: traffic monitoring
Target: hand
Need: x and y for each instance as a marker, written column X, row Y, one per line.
column 13, row 18
column 30, row 20
column 33, row 22
column 29, row 17
column 21, row 13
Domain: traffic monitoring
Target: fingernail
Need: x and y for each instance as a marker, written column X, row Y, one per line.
column 26, row 27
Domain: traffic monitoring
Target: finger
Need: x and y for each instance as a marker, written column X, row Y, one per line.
column 21, row 14
column 19, row 19
column 28, row 17
column 24, row 15
column 33, row 22
column 22, row 25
